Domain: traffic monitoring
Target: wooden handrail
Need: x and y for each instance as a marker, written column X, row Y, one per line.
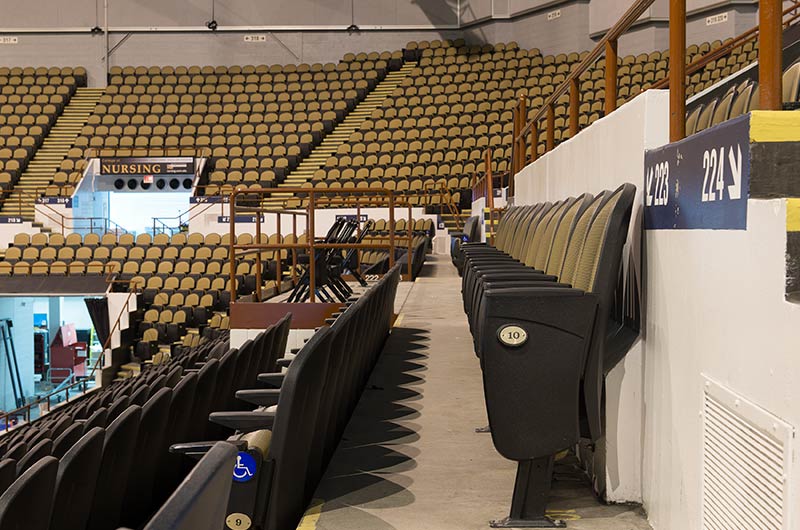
column 769, row 62
column 612, row 35
column 311, row 245
column 750, row 35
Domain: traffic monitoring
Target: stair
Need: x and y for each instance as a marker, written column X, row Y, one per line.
column 450, row 223
column 47, row 159
column 341, row 133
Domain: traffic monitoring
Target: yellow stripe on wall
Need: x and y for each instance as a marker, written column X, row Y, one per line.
column 774, row 126
column 793, row 215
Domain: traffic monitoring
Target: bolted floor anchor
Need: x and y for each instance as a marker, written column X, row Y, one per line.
column 531, row 490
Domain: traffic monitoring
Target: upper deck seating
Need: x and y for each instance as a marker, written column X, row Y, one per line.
column 31, row 99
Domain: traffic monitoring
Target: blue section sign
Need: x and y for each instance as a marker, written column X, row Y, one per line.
column 701, row 182
column 66, row 201
column 245, row 468
column 214, row 199
column 11, row 220
column 352, row 217
column 240, row 218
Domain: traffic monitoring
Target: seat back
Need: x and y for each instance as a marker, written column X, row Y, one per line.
column 150, row 440
column 76, row 481
column 201, row 501
column 293, row 432
column 118, row 450
column 8, row 472
column 28, row 502
column 563, row 234
column 37, row 452
column 67, row 439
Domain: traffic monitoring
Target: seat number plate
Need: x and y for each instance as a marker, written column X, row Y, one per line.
column 238, row 521
column 512, row 335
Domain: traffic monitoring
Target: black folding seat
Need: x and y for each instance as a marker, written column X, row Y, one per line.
column 35, row 435
column 67, row 439
column 42, row 449
column 156, row 384
column 99, row 418
column 203, row 397
column 556, row 359
column 173, row 377
column 76, row 480
column 168, row 471
column 140, row 394
column 152, row 430
column 118, row 450
column 117, row 407
column 28, row 502
column 8, row 472
column 557, row 228
column 281, row 497
column 201, row 501
column 60, row 425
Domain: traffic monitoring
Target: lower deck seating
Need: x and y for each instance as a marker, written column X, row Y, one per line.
column 109, row 449
column 376, row 261
column 538, row 306
column 295, row 419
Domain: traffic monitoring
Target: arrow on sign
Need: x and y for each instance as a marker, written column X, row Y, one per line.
column 735, row 189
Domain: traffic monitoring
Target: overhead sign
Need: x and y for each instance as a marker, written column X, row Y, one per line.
column 148, row 166
column 352, row 217
column 65, row 201
column 202, row 199
column 701, row 182
column 240, row 218
column 11, row 220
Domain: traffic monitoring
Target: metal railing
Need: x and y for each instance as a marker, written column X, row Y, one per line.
column 525, row 140
column 24, row 413
column 317, row 197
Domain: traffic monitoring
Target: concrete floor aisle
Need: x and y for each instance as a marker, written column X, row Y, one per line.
column 410, row 459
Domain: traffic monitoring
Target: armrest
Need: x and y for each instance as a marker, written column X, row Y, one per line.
column 244, row 421
column 273, row 379
column 519, row 275
column 283, row 363
column 196, row 450
column 261, row 397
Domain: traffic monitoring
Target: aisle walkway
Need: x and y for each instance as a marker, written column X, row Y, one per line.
column 410, row 459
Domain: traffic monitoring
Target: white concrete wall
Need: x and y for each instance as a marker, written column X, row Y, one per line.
column 714, row 308
column 9, row 230
column 605, row 155
column 20, row 311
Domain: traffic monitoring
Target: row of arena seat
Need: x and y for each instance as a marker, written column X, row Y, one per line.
column 740, row 99
column 291, row 427
column 102, row 461
column 258, row 122
column 30, row 102
column 538, row 306
column 282, row 111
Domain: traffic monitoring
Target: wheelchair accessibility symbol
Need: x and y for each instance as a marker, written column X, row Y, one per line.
column 245, row 467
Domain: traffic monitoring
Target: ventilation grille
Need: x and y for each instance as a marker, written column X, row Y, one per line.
column 746, row 458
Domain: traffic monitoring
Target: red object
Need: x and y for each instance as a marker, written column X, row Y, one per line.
column 67, row 355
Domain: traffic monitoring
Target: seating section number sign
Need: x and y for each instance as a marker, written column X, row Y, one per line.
column 701, row 182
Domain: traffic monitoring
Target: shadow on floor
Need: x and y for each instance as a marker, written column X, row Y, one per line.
column 381, row 436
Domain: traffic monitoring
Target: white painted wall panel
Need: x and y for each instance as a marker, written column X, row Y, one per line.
column 714, row 308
